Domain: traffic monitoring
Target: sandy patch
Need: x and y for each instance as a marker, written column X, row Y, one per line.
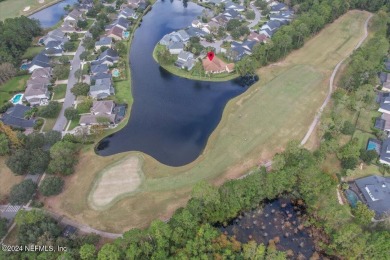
column 26, row 9
column 123, row 177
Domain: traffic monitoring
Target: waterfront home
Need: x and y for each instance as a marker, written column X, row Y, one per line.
column 54, row 48
column 75, row 15
column 121, row 22
column 110, row 55
column 374, row 191
column 55, row 35
column 195, row 32
column 128, row 13
column 68, row 26
column 103, row 88
column 39, row 61
column 216, row 66
column 184, row 37
column 232, row 14
column 133, row 3
column 207, row 13
column 196, row 24
column 175, row 47
column 86, row 5
column 99, row 68
column 233, row 6
column 116, row 33
column 185, row 60
column 15, row 117
column 100, row 109
column 142, row 6
column 37, row 94
column 103, row 42
column 101, row 76
column 221, row 20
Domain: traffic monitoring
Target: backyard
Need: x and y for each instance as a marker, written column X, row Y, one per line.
column 254, row 126
column 11, row 87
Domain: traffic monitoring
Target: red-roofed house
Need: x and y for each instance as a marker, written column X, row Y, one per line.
column 115, row 33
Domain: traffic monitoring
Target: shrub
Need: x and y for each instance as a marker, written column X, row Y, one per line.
column 52, row 185
column 21, row 193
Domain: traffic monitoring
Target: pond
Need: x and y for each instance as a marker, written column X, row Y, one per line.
column 51, row 15
column 171, row 118
column 278, row 222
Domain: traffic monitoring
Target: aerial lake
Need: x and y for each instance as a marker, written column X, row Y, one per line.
column 171, row 118
column 51, row 15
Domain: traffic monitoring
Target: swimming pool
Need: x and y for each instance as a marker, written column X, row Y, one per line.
column 24, row 66
column 17, row 99
column 352, row 197
column 373, row 145
column 115, row 73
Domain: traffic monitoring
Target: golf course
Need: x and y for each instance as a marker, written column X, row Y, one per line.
column 127, row 190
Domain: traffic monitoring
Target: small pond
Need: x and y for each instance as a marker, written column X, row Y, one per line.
column 51, row 15
column 281, row 222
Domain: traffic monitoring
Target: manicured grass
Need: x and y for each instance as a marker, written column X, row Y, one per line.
column 13, row 8
column 7, row 179
column 123, row 92
column 190, row 74
column 32, row 51
column 49, row 124
column 366, row 120
column 254, row 126
column 59, row 91
column 73, row 124
column 363, row 138
column 12, row 86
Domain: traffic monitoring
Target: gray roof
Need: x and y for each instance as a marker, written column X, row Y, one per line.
column 99, row 68
column 385, row 151
column 128, row 12
column 273, row 25
column 376, row 192
column 122, row 22
column 104, row 41
column 231, row 13
column 195, row 32
column 278, row 7
column 110, row 53
column 185, row 55
column 41, row 60
column 53, row 44
column 387, row 64
column 101, row 76
column 383, row 77
column 101, row 84
column 183, row 35
column 385, row 104
column 176, row 46
column 14, row 116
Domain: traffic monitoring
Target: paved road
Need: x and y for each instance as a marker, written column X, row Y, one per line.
column 257, row 16
column 331, row 84
column 69, row 97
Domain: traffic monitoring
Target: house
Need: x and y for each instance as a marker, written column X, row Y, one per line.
column 100, row 109
column 133, row 3
column 196, row 24
column 213, row 26
column 40, row 76
column 55, row 35
column 207, row 13
column 54, row 48
column 68, row 26
column 383, row 122
column 385, row 81
column 270, row 28
column 216, row 66
column 103, row 42
column 101, row 76
column 142, row 6
column 221, row 20
column 75, row 15
column 231, row 14
column 128, row 13
column 384, row 156
column 375, row 193
column 387, row 64
column 105, row 107
column 282, row 16
column 99, row 68
column 86, row 5
column 215, row 2
column 121, row 22
column 166, row 40
column 233, row 6
column 116, row 33
column 37, row 94
column 185, row 60
column 278, row 7
column 175, row 47
column 39, row 61
column 184, row 37
column 195, row 32
column 385, row 106
column 239, row 50
column 110, row 54
column 14, row 116
column 253, row 36
column 102, row 89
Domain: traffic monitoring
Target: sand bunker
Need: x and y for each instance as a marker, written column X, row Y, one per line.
column 26, row 9
column 123, row 177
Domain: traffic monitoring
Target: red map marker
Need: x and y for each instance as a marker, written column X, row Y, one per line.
column 210, row 55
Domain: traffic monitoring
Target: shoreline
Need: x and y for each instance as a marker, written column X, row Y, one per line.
column 187, row 74
column 27, row 14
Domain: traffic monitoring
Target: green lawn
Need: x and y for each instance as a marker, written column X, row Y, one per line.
column 49, row 124
column 363, row 138
column 122, row 92
column 59, row 91
column 366, row 120
column 73, row 124
column 32, row 51
column 14, row 85
column 189, row 74
column 13, row 8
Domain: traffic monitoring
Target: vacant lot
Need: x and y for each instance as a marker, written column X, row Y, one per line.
column 7, row 179
column 254, row 126
column 13, row 8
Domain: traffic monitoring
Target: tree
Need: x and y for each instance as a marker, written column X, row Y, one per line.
column 69, row 46
column 43, row 232
column 363, row 215
column 348, row 128
column 368, row 156
column 250, row 15
column 121, row 48
column 21, row 193
column 164, row 57
column 80, row 89
column 109, row 252
column 7, row 71
column 89, row 43
column 246, row 66
column 71, row 113
column 34, row 141
column 63, row 158
column 60, row 71
column 51, row 185
column 39, row 160
column 29, row 216
column 51, row 110
column 78, row 74
column 74, row 36
column 83, row 55
column 63, row 59
column 87, row 252
column 52, row 137
column 82, row 24
column 349, row 163
column 4, row 144
column 233, row 24
column 18, row 162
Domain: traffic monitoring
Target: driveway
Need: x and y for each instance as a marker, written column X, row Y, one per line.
column 257, row 16
column 69, row 97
